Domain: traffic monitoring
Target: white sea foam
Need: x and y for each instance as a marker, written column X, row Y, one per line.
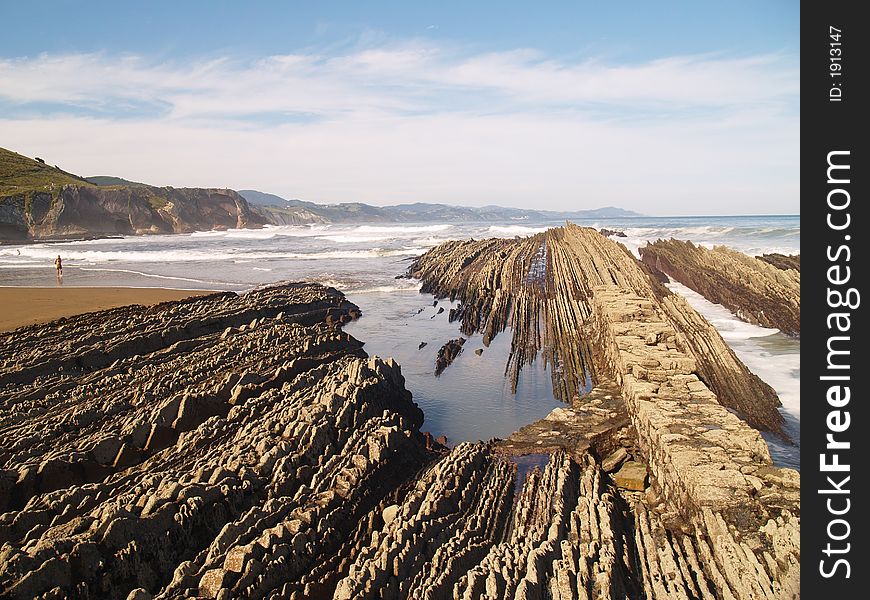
column 402, row 229
column 266, row 232
column 410, row 286
column 153, row 275
column 729, row 326
column 515, row 230
column 349, row 238
column 339, row 285
column 39, row 255
column 754, row 242
column 772, row 356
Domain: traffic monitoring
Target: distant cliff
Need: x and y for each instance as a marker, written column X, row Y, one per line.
column 83, row 210
column 38, row 201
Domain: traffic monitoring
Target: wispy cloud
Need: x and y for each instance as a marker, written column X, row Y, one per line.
column 421, row 122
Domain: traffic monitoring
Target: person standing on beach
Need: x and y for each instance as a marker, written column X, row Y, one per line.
column 59, row 266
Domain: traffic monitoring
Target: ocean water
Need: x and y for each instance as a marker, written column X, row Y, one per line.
column 471, row 399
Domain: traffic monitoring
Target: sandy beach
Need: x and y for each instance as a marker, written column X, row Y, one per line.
column 30, row 305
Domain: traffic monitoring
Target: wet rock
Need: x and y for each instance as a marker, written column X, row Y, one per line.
column 783, row 261
column 447, row 354
column 612, row 233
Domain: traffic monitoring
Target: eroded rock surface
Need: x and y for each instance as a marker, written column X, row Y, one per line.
column 88, row 210
column 447, row 354
column 211, row 446
column 568, row 533
column 708, row 514
column 764, row 291
column 783, row 261
column 595, row 420
column 246, row 447
column 543, row 287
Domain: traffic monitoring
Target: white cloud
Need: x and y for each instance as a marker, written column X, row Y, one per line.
column 702, row 134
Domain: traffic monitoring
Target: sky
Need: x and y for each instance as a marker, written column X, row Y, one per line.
column 665, row 108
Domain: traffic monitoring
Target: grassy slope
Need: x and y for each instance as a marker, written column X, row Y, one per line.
column 110, row 181
column 21, row 175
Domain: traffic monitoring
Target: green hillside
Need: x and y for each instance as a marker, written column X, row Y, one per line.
column 22, row 175
column 108, row 181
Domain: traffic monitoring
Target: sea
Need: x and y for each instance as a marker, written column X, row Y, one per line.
column 471, row 400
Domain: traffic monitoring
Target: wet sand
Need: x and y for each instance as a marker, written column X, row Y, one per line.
column 29, row 305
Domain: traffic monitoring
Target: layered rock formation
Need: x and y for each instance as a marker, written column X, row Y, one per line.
column 447, row 354
column 543, row 287
column 218, row 443
column 763, row 291
column 569, row 533
column 711, row 470
column 783, row 261
column 87, row 210
column 597, row 420
column 245, row 447
column 717, row 518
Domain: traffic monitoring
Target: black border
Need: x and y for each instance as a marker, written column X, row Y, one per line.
column 831, row 126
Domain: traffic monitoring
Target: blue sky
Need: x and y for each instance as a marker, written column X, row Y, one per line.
column 664, row 108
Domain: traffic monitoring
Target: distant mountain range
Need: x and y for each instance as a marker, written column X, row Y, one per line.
column 297, row 212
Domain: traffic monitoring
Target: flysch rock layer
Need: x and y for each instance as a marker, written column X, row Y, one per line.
column 245, row 447
column 764, row 291
column 712, row 470
column 215, row 447
column 568, row 534
column 543, row 287
column 718, row 520
column 596, row 420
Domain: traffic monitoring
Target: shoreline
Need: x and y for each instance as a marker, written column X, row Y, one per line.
column 34, row 305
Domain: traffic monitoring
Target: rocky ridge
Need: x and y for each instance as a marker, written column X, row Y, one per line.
column 543, row 287
column 783, row 261
column 763, row 291
column 218, row 443
column 712, row 487
column 245, row 447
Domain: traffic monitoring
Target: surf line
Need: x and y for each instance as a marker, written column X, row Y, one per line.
column 841, row 301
